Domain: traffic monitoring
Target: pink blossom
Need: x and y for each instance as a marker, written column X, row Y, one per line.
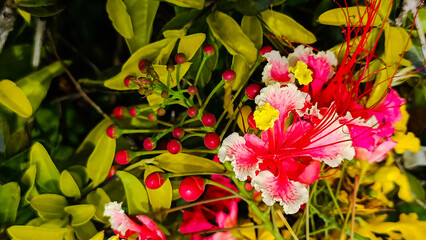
column 276, row 70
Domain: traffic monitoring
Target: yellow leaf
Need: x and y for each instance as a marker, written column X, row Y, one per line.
column 406, row 142
column 117, row 11
column 242, row 117
column 396, row 39
column 98, row 236
column 347, row 16
column 252, row 27
column 13, row 98
column 30, row 232
column 197, row 4
column 25, row 15
column 189, row 45
column 241, row 70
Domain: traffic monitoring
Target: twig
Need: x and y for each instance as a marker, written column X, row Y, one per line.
column 287, row 225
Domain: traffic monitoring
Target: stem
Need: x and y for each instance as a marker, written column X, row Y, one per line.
column 200, row 68
column 218, row 86
column 353, row 206
column 224, row 230
column 158, row 121
column 342, row 233
column 193, row 135
column 307, row 216
column 177, row 76
column 287, row 225
column 213, row 183
column 130, row 131
column 334, row 199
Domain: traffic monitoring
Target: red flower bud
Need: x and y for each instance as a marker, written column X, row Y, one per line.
column 151, row 117
column 192, row 90
column 191, row 188
column 149, row 144
column 128, row 80
column 180, row 58
column 228, row 75
column 265, row 49
column 212, row 140
column 112, row 131
column 143, row 65
column 192, row 111
column 154, row 180
column 178, row 133
column 119, row 112
column 122, row 157
column 161, row 112
column 112, row 171
column 208, row 119
column 253, row 90
column 174, row 146
column 132, row 111
column 209, row 49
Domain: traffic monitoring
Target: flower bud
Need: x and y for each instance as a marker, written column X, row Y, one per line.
column 228, row 75
column 149, row 144
column 191, row 188
column 119, row 112
column 155, row 180
column 211, row 140
column 180, row 58
column 209, row 49
column 253, row 90
column 122, row 157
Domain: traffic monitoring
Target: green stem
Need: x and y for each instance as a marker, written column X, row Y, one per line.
column 177, row 76
column 213, row 183
column 192, row 135
column 130, row 131
column 218, row 86
column 334, row 199
column 158, row 121
column 205, row 56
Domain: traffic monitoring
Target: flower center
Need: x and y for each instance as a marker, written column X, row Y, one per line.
column 302, row 73
column 265, row 116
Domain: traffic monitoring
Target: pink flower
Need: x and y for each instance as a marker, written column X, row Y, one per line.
column 276, row 70
column 125, row 226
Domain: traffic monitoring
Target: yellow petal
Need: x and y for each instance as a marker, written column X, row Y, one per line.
column 406, row 142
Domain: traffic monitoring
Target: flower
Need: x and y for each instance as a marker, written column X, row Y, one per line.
column 302, row 73
column 276, row 70
column 265, row 116
column 125, row 226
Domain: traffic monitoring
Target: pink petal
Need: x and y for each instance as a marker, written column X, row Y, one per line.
column 150, row 229
column 228, row 220
column 378, row 154
column 195, row 221
column 120, row 222
column 303, row 173
column 276, row 70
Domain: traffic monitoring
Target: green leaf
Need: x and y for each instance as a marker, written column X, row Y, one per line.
column 98, row 236
column 29, row 179
column 252, row 27
column 85, row 231
column 131, row 66
column 344, row 16
column 19, row 55
column 4, row 132
column 49, row 206
column 31, row 232
column 142, row 14
column 17, row 143
column 100, row 161
column 160, row 198
column 99, row 198
column 68, row 185
column 117, row 12
column 81, row 213
column 80, row 175
column 39, row 10
column 197, row 4
column 48, row 176
column 136, row 196
column 252, row 7
column 189, row 45
column 416, row 188
column 283, row 26
column 36, row 85
column 422, row 16
column 229, row 33
column 241, row 71
column 14, row 98
column 10, row 195
column 186, row 163
column 177, row 22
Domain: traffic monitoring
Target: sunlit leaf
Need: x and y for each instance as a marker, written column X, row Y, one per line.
column 85, row 231
column 98, row 236
column 117, row 12
column 142, row 14
column 68, row 185
column 283, row 26
column 99, row 198
column 397, row 41
column 48, row 176
column 136, row 195
column 10, row 195
column 229, row 33
column 14, row 98
column 197, row 4
column 49, row 206
column 80, row 175
column 344, row 16
column 242, row 117
column 31, row 232
column 160, row 198
column 189, row 45
column 81, row 213
column 187, row 163
column 252, row 27
column 29, row 178
column 241, row 70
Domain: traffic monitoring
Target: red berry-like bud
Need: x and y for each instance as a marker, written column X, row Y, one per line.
column 112, row 171
column 208, row 119
column 112, row 131
column 170, row 67
column 151, row 117
column 248, row 187
column 192, row 111
column 265, row 49
column 253, row 90
column 212, row 140
column 154, row 180
column 174, row 146
column 132, row 111
column 228, row 75
column 192, row 90
column 191, row 188
column 122, row 157
column 143, row 66
column 128, row 80
column 119, row 112
column 251, row 122
column 180, row 58
column 209, row 49
column 149, row 144
column 161, row 112
column 178, row 133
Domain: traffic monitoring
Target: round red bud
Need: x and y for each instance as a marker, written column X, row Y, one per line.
column 128, row 80
column 191, row 188
column 180, row 58
column 161, row 112
column 112, row 171
column 174, row 146
column 132, row 111
column 112, row 131
column 154, row 180
column 251, row 121
column 208, row 119
column 209, row 49
column 149, row 144
column 265, row 49
column 178, row 133
column 228, row 75
column 212, row 140
column 119, row 112
column 122, row 157
column 151, row 117
column 192, row 111
column 192, row 90
column 143, row 66
column 253, row 90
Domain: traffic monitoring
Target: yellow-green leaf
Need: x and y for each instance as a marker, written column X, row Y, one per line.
column 283, row 26
column 241, row 70
column 98, row 236
column 397, row 41
column 85, row 231
column 29, row 179
column 14, row 98
column 49, row 206
column 48, row 176
column 31, row 232
column 100, row 161
column 81, row 213
column 252, row 27
column 80, row 175
column 117, row 12
column 151, row 52
column 25, row 15
column 160, row 198
column 344, row 16
column 189, row 45
column 10, row 195
column 197, row 4
column 136, row 195
column 99, row 198
column 242, row 118
column 381, row 86
column 186, row 163
column 68, row 185
column 229, row 33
